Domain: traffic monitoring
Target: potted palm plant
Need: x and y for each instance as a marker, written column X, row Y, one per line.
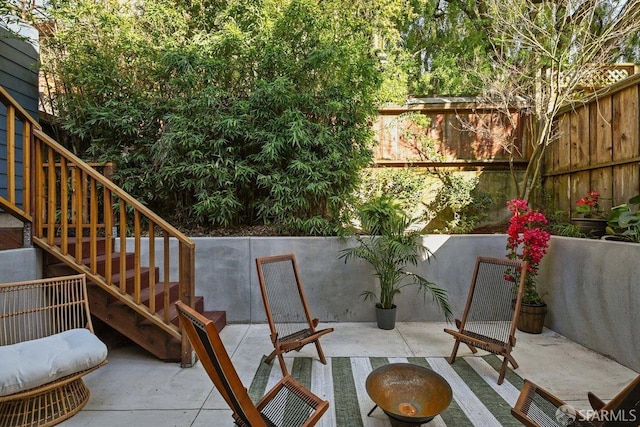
column 388, row 242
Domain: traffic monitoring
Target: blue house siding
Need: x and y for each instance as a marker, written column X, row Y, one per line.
column 18, row 76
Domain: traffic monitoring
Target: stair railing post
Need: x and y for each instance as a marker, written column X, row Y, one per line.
column 31, row 177
column 187, row 274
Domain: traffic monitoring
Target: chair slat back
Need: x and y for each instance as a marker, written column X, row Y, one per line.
column 494, row 301
column 44, row 307
column 283, row 295
column 208, row 346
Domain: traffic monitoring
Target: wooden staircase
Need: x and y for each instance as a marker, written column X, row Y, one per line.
column 111, row 311
column 137, row 265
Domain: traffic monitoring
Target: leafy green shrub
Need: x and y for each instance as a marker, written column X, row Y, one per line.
column 408, row 186
column 566, row 230
column 228, row 115
column 624, row 220
column 458, row 205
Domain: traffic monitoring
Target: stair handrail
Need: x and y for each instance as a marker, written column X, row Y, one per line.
column 92, row 172
column 14, row 109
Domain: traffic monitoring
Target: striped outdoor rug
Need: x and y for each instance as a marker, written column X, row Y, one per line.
column 477, row 398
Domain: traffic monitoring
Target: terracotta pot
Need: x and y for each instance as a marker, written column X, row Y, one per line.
column 386, row 317
column 531, row 318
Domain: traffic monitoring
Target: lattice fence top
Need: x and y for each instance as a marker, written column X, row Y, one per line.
column 602, row 77
column 607, row 76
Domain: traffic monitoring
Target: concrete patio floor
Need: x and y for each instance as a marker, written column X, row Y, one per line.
column 135, row 389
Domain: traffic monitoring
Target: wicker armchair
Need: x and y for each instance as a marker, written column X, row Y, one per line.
column 46, row 346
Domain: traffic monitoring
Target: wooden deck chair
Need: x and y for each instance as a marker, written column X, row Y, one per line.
column 287, row 404
column 536, row 407
column 490, row 317
column 286, row 308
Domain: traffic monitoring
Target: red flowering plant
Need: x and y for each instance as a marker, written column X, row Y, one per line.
column 528, row 241
column 589, row 206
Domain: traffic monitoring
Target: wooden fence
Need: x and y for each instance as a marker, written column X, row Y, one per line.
column 598, row 148
column 464, row 133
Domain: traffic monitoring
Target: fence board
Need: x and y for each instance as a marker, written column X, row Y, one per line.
column 579, row 134
column 580, row 185
column 601, row 152
column 564, row 144
column 625, row 131
column 564, row 192
column 600, row 117
column 626, row 184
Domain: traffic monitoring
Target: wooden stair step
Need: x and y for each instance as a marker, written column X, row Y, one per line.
column 123, row 319
column 61, row 269
column 86, row 244
column 174, row 290
column 129, row 278
column 117, row 315
column 198, row 303
column 101, row 262
column 219, row 318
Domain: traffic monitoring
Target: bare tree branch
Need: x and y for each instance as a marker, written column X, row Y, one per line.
column 546, row 53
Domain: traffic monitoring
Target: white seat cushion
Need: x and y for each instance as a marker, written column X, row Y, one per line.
column 30, row 364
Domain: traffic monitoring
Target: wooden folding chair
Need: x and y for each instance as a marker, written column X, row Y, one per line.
column 287, row 404
column 286, row 308
column 536, row 407
column 491, row 315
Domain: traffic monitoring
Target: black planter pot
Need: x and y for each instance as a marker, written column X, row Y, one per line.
column 386, row 317
column 593, row 228
column 615, row 238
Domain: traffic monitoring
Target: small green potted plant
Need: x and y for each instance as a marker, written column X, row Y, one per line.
column 389, row 243
column 624, row 221
column 528, row 241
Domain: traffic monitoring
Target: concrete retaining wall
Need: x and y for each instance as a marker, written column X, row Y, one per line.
column 226, row 275
column 592, row 287
column 18, row 265
column 593, row 295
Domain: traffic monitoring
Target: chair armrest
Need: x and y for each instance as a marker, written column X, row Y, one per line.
column 291, row 396
column 306, row 337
